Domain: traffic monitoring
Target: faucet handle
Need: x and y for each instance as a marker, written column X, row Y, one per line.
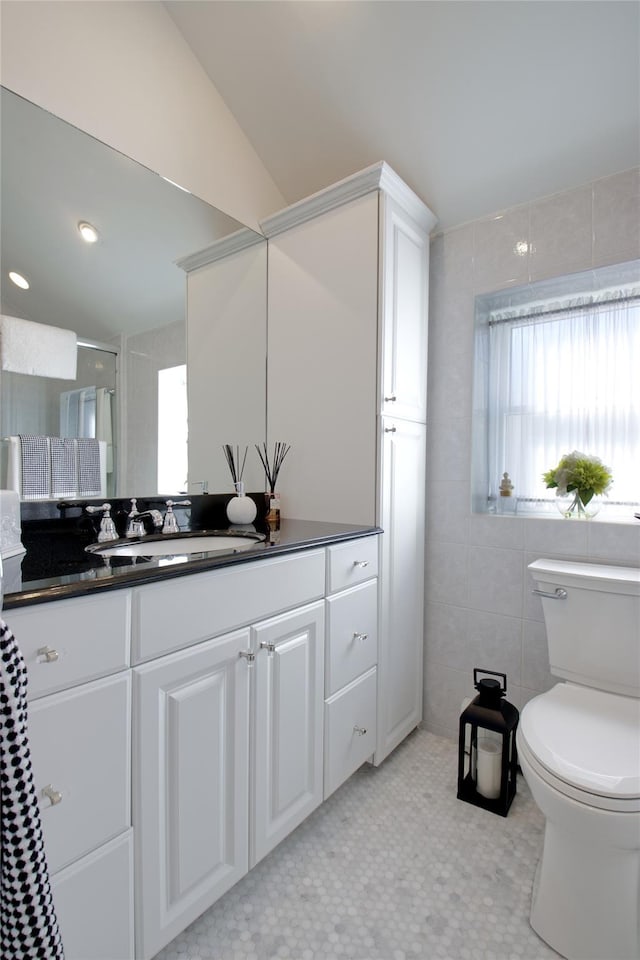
column 107, row 526
column 170, row 521
column 91, row 509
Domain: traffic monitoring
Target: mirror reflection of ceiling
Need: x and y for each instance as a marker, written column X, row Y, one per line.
column 53, row 176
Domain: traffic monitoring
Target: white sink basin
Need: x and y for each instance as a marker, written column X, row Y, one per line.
column 178, row 546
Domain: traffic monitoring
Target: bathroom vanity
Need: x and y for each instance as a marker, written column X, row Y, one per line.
column 185, row 716
column 189, row 713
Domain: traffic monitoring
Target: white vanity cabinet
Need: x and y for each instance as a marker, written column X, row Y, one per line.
column 180, row 729
column 191, row 763
column 286, row 785
column 228, row 730
column 79, row 687
column 351, row 659
column 347, row 365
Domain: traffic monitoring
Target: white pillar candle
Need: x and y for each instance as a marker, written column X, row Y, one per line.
column 489, row 768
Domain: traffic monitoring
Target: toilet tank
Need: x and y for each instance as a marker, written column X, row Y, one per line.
column 593, row 632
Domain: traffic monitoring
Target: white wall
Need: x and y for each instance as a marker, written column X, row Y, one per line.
column 479, row 610
column 123, row 72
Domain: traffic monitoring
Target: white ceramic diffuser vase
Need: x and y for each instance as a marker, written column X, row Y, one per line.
column 241, row 509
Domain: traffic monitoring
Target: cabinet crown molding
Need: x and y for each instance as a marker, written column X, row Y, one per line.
column 379, row 176
column 239, row 240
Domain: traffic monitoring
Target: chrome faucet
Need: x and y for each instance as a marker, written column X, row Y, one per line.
column 135, row 521
column 107, row 526
column 135, row 525
column 170, row 524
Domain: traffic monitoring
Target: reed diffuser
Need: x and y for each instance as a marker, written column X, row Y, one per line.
column 240, row 509
column 272, row 467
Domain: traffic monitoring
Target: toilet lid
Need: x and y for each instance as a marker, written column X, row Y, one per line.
column 587, row 738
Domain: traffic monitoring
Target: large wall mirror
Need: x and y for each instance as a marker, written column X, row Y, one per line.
column 125, row 296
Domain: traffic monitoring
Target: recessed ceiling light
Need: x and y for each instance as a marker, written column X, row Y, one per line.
column 19, row 280
column 88, row 233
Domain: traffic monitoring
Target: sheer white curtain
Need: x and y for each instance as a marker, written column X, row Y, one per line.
column 561, row 380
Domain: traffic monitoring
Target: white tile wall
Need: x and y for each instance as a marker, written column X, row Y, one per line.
column 479, row 608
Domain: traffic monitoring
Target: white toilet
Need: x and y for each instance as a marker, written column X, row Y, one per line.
column 579, row 749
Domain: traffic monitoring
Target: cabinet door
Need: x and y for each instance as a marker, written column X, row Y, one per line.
column 404, row 280
column 94, row 903
column 350, row 734
column 288, row 724
column 352, row 635
column 401, row 582
column 81, row 757
column 191, row 761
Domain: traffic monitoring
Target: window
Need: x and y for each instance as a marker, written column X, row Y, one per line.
column 172, row 429
column 557, row 370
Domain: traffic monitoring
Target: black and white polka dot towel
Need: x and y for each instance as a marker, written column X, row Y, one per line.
column 28, row 924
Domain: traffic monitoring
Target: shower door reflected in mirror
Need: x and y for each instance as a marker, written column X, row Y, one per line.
column 84, row 407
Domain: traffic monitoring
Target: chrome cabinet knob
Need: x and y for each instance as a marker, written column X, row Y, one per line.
column 47, row 654
column 268, row 646
column 360, row 731
column 53, row 795
column 360, row 636
column 361, row 563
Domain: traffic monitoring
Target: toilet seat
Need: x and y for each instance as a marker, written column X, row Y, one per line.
column 586, row 744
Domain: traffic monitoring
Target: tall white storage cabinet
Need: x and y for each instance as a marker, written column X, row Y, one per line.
column 346, row 387
column 226, row 356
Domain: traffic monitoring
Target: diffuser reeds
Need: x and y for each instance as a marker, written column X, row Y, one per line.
column 236, row 465
column 272, row 466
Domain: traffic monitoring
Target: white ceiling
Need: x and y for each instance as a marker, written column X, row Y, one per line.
column 477, row 104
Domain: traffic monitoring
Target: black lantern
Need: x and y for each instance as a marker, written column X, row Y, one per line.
column 487, row 756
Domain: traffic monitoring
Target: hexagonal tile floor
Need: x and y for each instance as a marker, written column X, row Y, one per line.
column 391, row 867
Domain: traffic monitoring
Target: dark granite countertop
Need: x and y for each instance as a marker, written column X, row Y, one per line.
column 57, row 566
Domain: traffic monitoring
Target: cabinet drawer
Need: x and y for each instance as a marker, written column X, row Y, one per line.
column 169, row 616
column 80, row 748
column 86, row 638
column 350, row 730
column 352, row 635
column 94, row 903
column 352, row 562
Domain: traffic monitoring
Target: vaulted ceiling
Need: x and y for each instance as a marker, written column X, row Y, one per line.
column 478, row 105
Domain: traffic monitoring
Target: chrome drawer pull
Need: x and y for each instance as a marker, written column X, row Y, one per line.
column 360, row 636
column 390, row 429
column 391, row 399
column 248, row 656
column 558, row 593
column 267, row 645
column 47, row 655
column 360, row 730
column 53, row 795
column 361, row 563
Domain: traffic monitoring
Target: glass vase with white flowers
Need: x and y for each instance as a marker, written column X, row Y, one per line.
column 579, row 479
